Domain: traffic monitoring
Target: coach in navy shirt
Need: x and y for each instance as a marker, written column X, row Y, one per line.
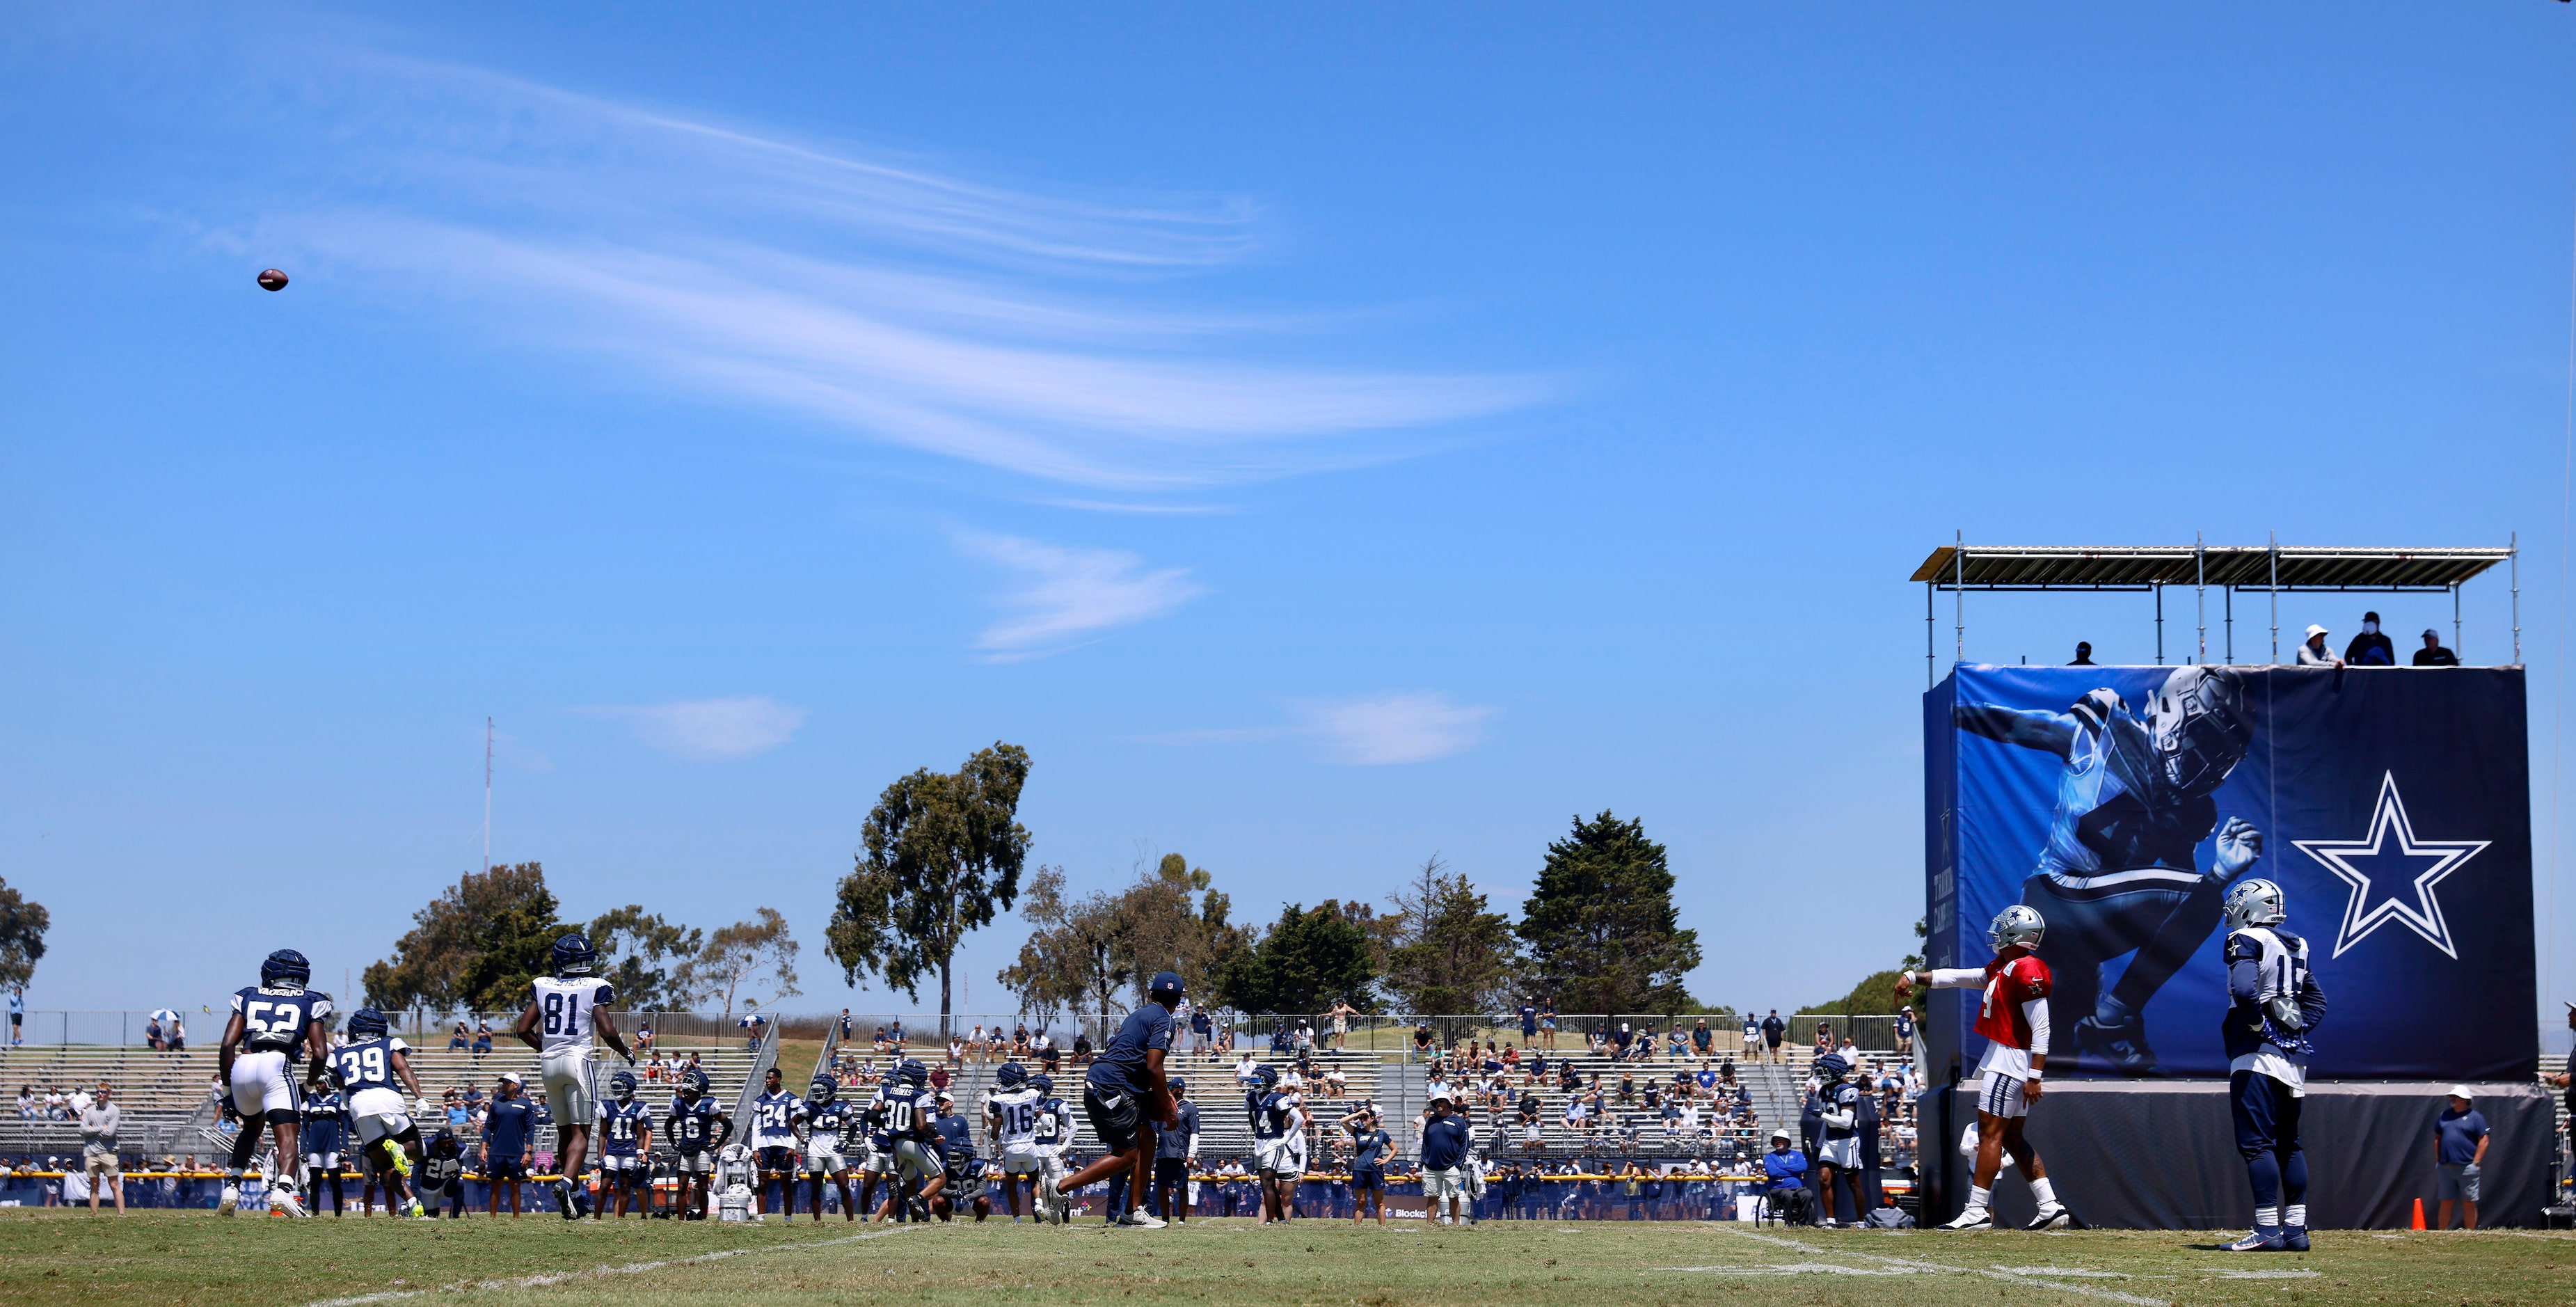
column 506, row 1131
column 1124, row 1081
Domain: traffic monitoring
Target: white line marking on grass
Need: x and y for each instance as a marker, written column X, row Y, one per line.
column 1795, row 1268
column 631, row 1268
column 2009, row 1277
column 2267, row 1275
column 2076, row 1272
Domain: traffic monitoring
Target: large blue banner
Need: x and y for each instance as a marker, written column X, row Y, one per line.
column 2391, row 805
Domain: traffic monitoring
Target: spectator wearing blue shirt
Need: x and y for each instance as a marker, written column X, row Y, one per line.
column 17, row 1015
column 1124, row 1082
column 1784, row 1172
column 1529, row 1024
column 2459, row 1150
column 506, row 1132
column 1904, row 1029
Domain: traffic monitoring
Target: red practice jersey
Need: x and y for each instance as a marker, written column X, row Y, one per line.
column 2009, row 984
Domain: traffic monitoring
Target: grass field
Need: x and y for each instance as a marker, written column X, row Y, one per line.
column 58, row 1256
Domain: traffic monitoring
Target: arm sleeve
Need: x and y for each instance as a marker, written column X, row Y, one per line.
column 1953, row 977
column 2244, row 979
column 2312, row 1005
column 1838, row 1120
column 2035, row 1011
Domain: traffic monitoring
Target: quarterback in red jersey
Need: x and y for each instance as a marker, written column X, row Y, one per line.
column 2013, row 1017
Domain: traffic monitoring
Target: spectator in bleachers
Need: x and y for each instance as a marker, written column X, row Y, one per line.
column 456, row 1042
column 1904, row 1029
column 895, row 1033
column 1773, row 1031
column 1422, row 1043
column 1341, row 1016
column 482, row 1039
column 1703, row 1040
column 1824, row 1038
column 175, row 1039
column 644, row 1032
column 152, row 1034
column 27, row 1103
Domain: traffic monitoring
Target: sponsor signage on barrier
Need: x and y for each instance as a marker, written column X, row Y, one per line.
column 2392, row 806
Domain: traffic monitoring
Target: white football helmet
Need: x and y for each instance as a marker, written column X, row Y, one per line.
column 2019, row 924
column 2255, row 903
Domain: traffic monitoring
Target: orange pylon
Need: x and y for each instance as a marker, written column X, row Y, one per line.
column 2419, row 1214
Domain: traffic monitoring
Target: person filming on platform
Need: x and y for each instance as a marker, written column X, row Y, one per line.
column 2370, row 648
column 2313, row 651
column 2083, row 654
column 2433, row 654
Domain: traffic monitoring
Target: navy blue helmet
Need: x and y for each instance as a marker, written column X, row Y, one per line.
column 1831, row 1067
column 822, row 1090
column 1011, row 1076
column 574, row 955
column 287, row 966
column 1265, row 1075
column 1042, row 1082
column 367, row 1023
column 913, row 1072
column 623, row 1083
column 1165, row 982
column 694, row 1080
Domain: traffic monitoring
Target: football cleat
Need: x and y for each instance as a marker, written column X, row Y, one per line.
column 2052, row 1217
column 564, row 1201
column 2264, row 1239
column 283, row 1202
column 1975, row 1218
column 1141, row 1219
column 2295, row 1238
column 402, row 1163
column 417, row 1212
column 231, row 1200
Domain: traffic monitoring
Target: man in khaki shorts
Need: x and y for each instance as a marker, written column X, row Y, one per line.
column 98, row 1148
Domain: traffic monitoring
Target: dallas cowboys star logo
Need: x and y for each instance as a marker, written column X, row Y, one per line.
column 2362, row 862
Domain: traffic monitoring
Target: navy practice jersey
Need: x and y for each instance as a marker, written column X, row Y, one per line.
column 695, row 1126
column 1120, row 1068
column 274, row 1020
column 773, row 1119
column 1049, row 1130
column 832, row 1122
column 623, row 1125
column 906, row 1113
column 1271, row 1112
column 324, row 1130
column 508, row 1126
column 367, row 1064
column 436, row 1174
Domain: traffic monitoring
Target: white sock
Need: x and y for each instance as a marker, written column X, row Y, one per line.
column 2266, row 1217
column 2295, row 1214
column 2045, row 1192
column 1978, row 1198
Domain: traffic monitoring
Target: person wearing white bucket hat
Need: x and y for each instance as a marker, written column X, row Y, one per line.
column 2313, row 651
column 2459, row 1150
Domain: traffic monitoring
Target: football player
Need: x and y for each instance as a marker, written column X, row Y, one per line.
column 910, row 1141
column 773, row 1142
column 569, row 1009
column 821, row 1124
column 2273, row 1002
column 274, row 1025
column 368, row 1069
column 2014, row 1020
column 698, row 1128
column 1838, row 1147
column 442, row 1175
column 2117, row 876
column 1011, row 1126
column 874, row 1162
column 1278, row 1142
column 1053, row 1134
column 1124, row 1086
column 325, row 1137
column 625, row 1148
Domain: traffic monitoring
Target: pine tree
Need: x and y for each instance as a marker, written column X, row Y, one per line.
column 1602, row 932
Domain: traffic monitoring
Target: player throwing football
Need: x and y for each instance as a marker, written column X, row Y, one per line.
column 2013, row 1017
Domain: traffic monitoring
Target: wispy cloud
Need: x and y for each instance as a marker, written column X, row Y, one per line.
column 1068, row 595
column 880, row 296
column 715, row 729
column 1369, row 732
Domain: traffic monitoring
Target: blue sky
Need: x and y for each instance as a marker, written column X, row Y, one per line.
column 1322, row 439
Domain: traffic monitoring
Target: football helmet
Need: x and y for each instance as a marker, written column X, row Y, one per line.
column 1831, row 1068
column 914, row 1073
column 285, row 969
column 368, row 1023
column 693, row 1081
column 821, row 1090
column 2199, row 726
column 1011, row 1076
column 1266, row 1076
column 623, row 1085
column 2255, row 903
column 2019, row 924
column 573, row 955
column 1042, row 1082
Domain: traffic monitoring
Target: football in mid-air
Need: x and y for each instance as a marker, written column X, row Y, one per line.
column 272, row 279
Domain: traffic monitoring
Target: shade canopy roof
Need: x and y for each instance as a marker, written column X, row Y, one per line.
column 2246, row 567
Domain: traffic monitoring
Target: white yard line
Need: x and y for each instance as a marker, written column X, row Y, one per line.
column 1917, row 1264
column 630, row 1268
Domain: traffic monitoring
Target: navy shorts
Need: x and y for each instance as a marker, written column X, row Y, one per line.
column 2267, row 1116
column 1366, row 1178
column 1113, row 1118
column 507, row 1168
column 777, row 1159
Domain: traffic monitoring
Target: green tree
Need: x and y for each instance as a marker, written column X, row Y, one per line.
column 476, row 946
column 1305, row 960
column 1173, row 919
column 1082, row 953
column 22, row 935
column 759, row 953
column 1072, row 960
column 650, row 963
column 1451, row 956
column 942, row 854
column 1602, row 932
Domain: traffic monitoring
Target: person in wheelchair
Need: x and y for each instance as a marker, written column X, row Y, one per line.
column 1784, row 1182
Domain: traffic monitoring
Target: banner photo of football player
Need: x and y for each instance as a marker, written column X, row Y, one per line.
column 2392, row 805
